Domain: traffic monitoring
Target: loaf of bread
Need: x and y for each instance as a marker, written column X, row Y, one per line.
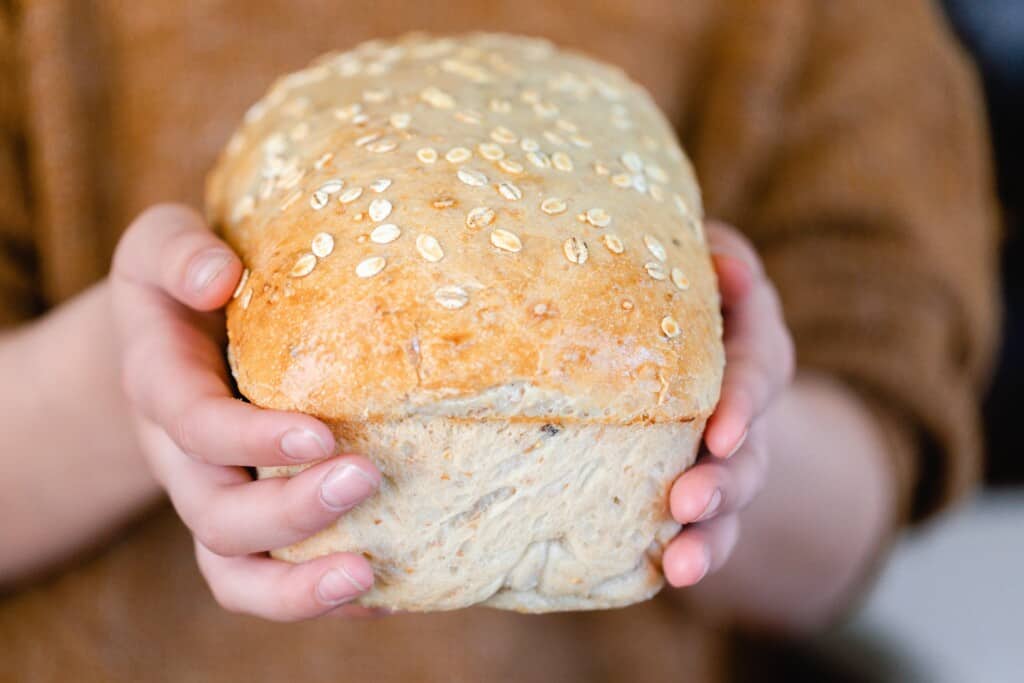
column 480, row 261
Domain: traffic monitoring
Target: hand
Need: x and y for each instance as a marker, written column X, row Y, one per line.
column 759, row 365
column 170, row 277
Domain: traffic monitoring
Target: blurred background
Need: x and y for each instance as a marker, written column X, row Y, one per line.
column 949, row 606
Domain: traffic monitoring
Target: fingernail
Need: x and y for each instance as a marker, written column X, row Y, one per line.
column 719, row 253
column 739, row 444
column 345, row 486
column 707, row 565
column 712, row 506
column 337, row 587
column 205, row 268
column 303, row 445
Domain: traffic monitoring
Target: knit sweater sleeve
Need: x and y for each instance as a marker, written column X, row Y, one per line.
column 866, row 186
column 19, row 298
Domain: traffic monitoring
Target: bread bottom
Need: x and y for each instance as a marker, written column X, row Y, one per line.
column 524, row 516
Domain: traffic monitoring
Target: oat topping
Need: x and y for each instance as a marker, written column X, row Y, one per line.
column 370, row 267
column 503, row 135
column 379, row 209
column 562, row 161
column 655, row 270
column 656, row 173
column 451, row 296
column 505, row 240
column 364, row 140
column 323, row 245
column 479, row 217
column 622, row 180
column 679, row 279
column 323, row 161
column 427, row 155
column 385, row 233
column 241, row 283
column 553, row 206
column 539, row 159
column 350, row 195
column 471, row 177
column 458, row 155
column 491, row 151
column 376, row 96
column 632, row 161
column 318, row 200
column 243, row 208
column 599, row 218
column 655, row 247
column 429, row 248
column 400, row 120
column 554, row 138
column 510, row 191
column 332, row 186
column 670, row 327
column 575, row 250
column 382, row 146
column 470, row 117
column 303, row 266
column 613, row 243
column 510, row 166
column 437, row 98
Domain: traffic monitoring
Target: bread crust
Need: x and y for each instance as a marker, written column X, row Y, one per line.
column 480, row 231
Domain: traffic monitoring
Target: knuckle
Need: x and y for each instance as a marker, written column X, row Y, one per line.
column 730, row 241
column 133, row 363
column 141, row 228
column 137, row 367
column 285, row 612
column 305, row 517
column 226, row 598
column 183, row 430
column 210, row 531
column 165, row 212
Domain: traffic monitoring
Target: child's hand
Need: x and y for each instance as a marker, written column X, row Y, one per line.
column 759, row 365
column 169, row 274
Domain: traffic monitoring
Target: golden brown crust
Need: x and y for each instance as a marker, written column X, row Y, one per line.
column 528, row 314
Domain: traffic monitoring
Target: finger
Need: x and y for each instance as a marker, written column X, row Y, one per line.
column 759, row 351
column 170, row 248
column 735, row 259
column 699, row 550
column 256, row 516
column 280, row 591
column 173, row 371
column 231, row 514
column 717, row 487
column 735, row 279
column 176, row 379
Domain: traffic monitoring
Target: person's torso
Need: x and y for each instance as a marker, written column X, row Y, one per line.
column 128, row 104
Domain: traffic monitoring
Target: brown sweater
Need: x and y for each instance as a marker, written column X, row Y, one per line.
column 845, row 138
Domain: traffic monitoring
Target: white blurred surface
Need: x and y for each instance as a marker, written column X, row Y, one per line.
column 950, row 602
